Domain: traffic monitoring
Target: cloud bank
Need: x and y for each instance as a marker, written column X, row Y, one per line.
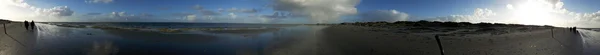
column 479, row 15
column 21, row 10
column 532, row 12
column 383, row 15
column 319, row 11
column 56, row 11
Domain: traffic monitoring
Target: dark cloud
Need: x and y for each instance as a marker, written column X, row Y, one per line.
column 234, row 10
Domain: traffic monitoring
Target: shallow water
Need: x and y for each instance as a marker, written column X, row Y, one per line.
column 55, row 40
column 591, row 41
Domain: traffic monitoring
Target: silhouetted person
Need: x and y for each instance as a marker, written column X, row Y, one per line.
column 575, row 29
column 26, row 25
column 32, row 25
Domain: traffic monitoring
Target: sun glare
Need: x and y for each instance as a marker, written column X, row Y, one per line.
column 533, row 12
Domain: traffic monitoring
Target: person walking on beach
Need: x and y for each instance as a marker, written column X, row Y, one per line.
column 32, row 25
column 26, row 25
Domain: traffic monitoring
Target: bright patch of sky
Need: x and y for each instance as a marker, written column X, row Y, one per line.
column 534, row 12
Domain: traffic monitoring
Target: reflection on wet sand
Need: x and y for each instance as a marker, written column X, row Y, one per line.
column 305, row 43
column 243, row 32
column 162, row 37
column 591, row 41
column 291, row 40
column 16, row 40
column 56, row 40
column 103, row 48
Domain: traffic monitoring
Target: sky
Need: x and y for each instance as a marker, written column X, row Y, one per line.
column 564, row 13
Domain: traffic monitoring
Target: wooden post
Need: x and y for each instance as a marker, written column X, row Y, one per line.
column 437, row 38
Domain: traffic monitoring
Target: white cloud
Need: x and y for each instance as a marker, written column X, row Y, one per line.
column 117, row 14
column 21, row 10
column 479, row 15
column 129, row 17
column 56, row 11
column 384, row 15
column 190, row 18
column 319, row 11
column 510, row 6
column 98, row 1
column 232, row 15
column 536, row 12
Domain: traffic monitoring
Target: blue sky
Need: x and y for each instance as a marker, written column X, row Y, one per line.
column 299, row 11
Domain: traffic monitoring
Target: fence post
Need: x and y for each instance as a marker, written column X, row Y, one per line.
column 437, row 38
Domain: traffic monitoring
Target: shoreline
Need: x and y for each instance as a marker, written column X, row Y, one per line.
column 378, row 40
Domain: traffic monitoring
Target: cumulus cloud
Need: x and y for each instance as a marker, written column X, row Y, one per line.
column 21, row 8
column 117, row 14
column 384, row 15
column 319, row 11
column 232, row 15
column 190, row 18
column 56, row 11
column 127, row 16
column 98, row 1
column 479, row 15
column 534, row 12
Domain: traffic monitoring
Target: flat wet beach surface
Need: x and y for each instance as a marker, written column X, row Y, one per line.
column 60, row 40
column 67, row 39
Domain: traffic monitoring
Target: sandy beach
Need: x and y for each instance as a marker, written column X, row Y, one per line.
column 16, row 40
column 299, row 40
column 361, row 40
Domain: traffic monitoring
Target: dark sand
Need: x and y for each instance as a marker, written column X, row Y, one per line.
column 356, row 40
column 20, row 42
column 359, row 40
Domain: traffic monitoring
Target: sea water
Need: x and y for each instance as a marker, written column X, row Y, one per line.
column 52, row 39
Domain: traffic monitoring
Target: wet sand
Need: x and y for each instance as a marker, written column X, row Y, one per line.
column 16, row 40
column 591, row 38
column 319, row 40
column 359, row 40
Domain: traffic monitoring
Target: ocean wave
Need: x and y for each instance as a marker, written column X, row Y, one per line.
column 167, row 29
